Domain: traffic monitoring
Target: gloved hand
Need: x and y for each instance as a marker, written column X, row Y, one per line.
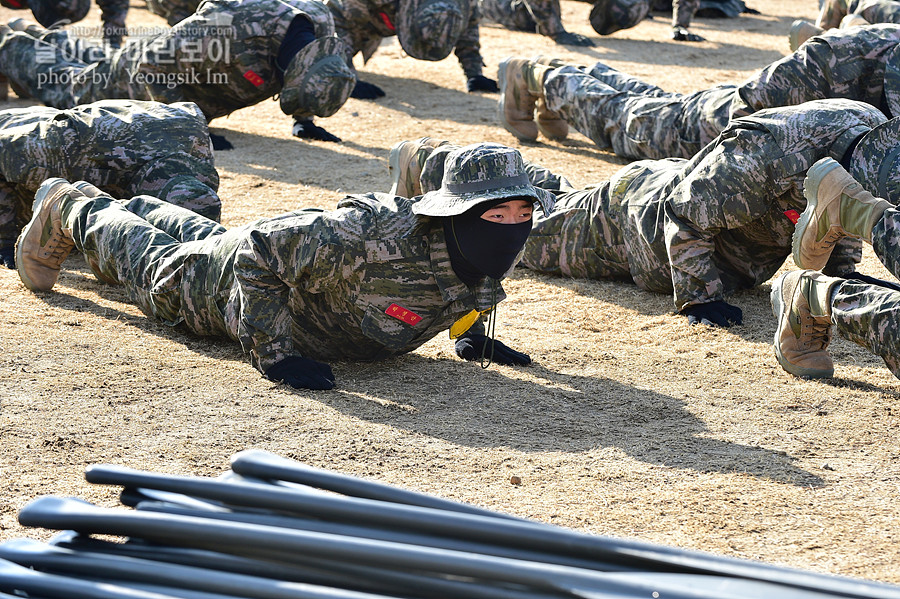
column 8, row 256
column 301, row 373
column 681, row 34
column 714, row 313
column 363, row 90
column 480, row 83
column 469, row 346
column 309, row 130
column 857, row 276
column 567, row 38
column 219, row 142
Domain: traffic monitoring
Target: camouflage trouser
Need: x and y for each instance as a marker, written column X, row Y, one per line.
column 637, row 120
column 145, row 244
column 682, row 10
column 52, row 69
column 13, row 205
column 543, row 16
column 173, row 11
column 869, row 315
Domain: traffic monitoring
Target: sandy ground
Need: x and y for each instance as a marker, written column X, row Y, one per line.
column 629, row 423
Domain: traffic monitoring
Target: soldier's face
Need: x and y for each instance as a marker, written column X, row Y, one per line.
column 512, row 212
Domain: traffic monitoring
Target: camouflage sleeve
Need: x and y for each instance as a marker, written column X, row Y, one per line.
column 277, row 256
column 734, row 183
column 9, row 229
column 468, row 48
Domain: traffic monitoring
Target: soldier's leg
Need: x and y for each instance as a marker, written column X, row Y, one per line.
column 886, row 240
column 683, row 12
column 625, row 82
column 113, row 14
column 181, row 223
column 633, row 125
column 122, row 247
column 878, row 11
column 512, row 14
column 869, row 315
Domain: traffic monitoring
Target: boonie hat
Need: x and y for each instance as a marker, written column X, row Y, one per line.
column 318, row 80
column 480, row 173
column 429, row 29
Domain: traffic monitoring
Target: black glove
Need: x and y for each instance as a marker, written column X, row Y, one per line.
column 302, row 373
column 363, row 90
column 470, row 347
column 856, row 276
column 714, row 313
column 219, row 142
column 8, row 256
column 567, row 38
column 480, row 83
column 680, row 34
column 309, row 130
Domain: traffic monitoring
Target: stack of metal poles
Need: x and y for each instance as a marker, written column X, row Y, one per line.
column 273, row 528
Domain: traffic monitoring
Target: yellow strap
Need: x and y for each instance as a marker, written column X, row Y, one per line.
column 465, row 323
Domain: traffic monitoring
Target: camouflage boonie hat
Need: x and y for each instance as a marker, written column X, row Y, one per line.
column 480, row 173
column 193, row 194
column 318, row 80
column 876, row 161
column 609, row 16
column 52, row 12
column 892, row 82
column 429, row 29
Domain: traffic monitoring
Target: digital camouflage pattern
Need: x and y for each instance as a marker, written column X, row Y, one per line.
column 124, row 147
column 222, row 58
column 173, row 11
column 640, row 120
column 51, row 13
column 705, row 227
column 317, row 81
column 362, row 24
column 609, row 16
column 542, row 16
column 874, row 11
column 328, row 285
column 867, row 314
column 636, row 120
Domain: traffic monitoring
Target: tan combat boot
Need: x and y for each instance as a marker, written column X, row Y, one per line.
column 549, row 123
column 405, row 165
column 801, row 304
column 44, row 244
column 800, row 32
column 836, row 206
column 521, row 84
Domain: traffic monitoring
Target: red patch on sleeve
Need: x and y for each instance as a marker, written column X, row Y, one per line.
column 253, row 78
column 387, row 21
column 403, row 314
column 792, row 215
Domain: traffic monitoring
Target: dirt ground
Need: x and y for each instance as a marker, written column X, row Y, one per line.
column 629, row 423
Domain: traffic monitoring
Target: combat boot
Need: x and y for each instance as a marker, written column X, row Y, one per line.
column 801, row 302
column 853, row 21
column 44, row 243
column 521, row 84
column 836, row 206
column 800, row 32
column 405, row 165
column 89, row 189
column 549, row 123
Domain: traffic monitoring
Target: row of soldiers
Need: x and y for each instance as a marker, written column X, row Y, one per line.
column 787, row 157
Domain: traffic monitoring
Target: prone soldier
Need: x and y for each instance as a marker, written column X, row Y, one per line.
column 50, row 13
column 128, row 147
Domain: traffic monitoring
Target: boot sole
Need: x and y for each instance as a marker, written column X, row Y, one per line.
column 814, row 177
column 38, row 205
column 778, row 310
column 501, row 105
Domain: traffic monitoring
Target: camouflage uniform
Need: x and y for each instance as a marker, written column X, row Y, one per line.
column 609, row 16
column 639, row 120
column 708, row 226
column 362, row 24
column 542, row 16
column 60, row 12
column 173, row 11
column 222, row 58
column 125, row 147
column 867, row 314
column 324, row 285
column 873, row 11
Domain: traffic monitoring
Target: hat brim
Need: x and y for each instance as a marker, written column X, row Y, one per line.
column 444, row 203
column 874, row 157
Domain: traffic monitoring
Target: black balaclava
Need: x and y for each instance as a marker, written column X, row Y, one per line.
column 480, row 248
